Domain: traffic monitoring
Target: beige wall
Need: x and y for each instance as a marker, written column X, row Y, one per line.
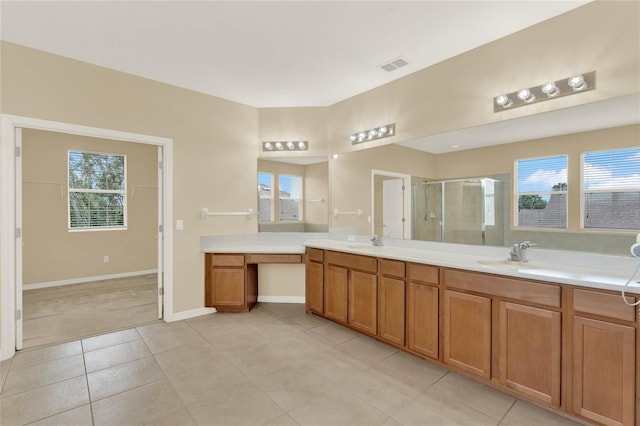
column 350, row 180
column 50, row 251
column 458, row 93
column 216, row 142
column 295, row 124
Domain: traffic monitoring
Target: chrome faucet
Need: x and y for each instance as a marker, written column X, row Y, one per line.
column 376, row 241
column 519, row 252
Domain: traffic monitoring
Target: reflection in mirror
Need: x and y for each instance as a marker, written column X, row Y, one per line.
column 293, row 194
column 391, row 205
column 465, row 211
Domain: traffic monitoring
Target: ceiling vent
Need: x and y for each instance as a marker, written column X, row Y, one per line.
column 394, row 64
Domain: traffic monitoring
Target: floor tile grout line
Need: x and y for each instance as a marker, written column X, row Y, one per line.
column 507, row 412
column 86, row 378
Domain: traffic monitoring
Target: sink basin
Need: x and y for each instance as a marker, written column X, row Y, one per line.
column 507, row 264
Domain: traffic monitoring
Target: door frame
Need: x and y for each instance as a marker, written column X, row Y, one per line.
column 10, row 213
column 406, row 181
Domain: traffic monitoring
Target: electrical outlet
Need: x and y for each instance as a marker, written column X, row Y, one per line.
column 106, row 259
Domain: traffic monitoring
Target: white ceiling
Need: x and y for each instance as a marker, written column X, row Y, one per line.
column 299, row 53
column 266, row 53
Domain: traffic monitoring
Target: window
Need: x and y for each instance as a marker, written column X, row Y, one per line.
column 97, row 191
column 290, row 197
column 541, row 192
column 611, row 189
column 265, row 197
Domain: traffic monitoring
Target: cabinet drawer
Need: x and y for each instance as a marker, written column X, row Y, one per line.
column 423, row 273
column 274, row 258
column 511, row 288
column 605, row 304
column 227, row 260
column 316, row 255
column 393, row 268
column 353, row 261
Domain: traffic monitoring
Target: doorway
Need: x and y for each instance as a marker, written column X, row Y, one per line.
column 89, row 236
column 11, row 223
column 391, row 204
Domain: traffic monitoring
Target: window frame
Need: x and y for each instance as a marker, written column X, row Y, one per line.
column 123, row 192
column 272, row 204
column 300, row 200
column 583, row 191
column 516, row 197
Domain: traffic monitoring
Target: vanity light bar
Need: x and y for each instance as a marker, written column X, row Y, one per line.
column 373, row 134
column 553, row 89
column 276, row 146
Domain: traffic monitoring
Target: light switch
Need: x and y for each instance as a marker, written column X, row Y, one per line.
column 179, row 225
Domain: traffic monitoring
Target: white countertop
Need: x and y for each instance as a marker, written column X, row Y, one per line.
column 556, row 266
column 575, row 268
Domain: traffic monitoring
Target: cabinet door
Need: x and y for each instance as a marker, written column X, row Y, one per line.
column 363, row 302
column 603, row 371
column 315, row 287
column 228, row 287
column 335, row 294
column 530, row 351
column 391, row 311
column 422, row 319
column 467, row 328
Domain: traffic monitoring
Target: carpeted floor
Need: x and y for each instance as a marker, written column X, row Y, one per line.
column 70, row 312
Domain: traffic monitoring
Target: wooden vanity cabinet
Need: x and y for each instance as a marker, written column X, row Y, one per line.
column 604, row 358
column 530, row 351
column 350, row 292
column 336, row 293
column 422, row 321
column 510, row 332
column 315, row 281
column 391, row 301
column 467, row 332
column 363, row 302
column 231, row 285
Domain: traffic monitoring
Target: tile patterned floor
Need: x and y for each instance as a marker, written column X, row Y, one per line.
column 274, row 366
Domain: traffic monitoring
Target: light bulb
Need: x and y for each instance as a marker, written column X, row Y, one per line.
column 373, row 133
column 361, row 136
column 302, row 145
column 268, row 146
column 353, row 137
column 577, row 82
column 291, row 146
column 526, row 95
column 279, row 146
column 550, row 89
column 382, row 130
column 504, row 101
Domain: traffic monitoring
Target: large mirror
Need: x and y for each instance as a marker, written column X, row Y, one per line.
column 462, row 183
column 293, row 194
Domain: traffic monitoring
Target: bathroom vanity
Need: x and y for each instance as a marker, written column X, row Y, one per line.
column 564, row 340
column 554, row 331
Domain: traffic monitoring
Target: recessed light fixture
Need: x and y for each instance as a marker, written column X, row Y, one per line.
column 285, row 146
column 552, row 89
column 373, row 134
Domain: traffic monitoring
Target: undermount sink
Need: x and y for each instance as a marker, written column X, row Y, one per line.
column 507, row 264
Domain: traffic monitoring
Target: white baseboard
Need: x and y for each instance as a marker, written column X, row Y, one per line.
column 86, row 279
column 179, row 316
column 281, row 299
